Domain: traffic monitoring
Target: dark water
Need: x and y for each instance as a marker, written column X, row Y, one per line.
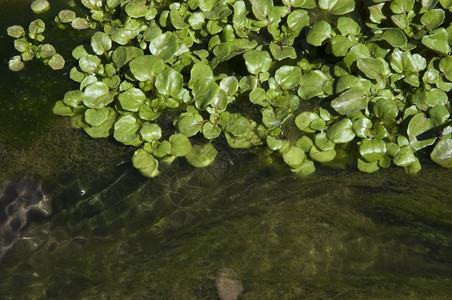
column 338, row 234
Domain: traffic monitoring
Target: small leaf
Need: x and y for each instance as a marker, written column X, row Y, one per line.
column 257, row 61
column 437, row 41
column 190, row 124
column 66, row 16
column 100, row 42
column 150, row 132
column 56, row 62
column 337, row 7
column 262, row 8
column 131, row 99
column 433, row 18
column 421, row 131
column 16, row 64
column 146, row 67
column 96, row 95
column 145, row 163
column 445, row 65
column 169, row 82
column 126, row 130
column 89, row 63
column 40, row 6
column 294, row 156
column 95, row 117
column 164, row 46
column 350, row 101
column 372, row 150
column 319, row 32
column 16, row 31
column 180, row 144
column 442, row 153
column 288, row 77
column 311, row 84
column 385, row 109
column 341, row 131
column 304, row 119
column 201, row 156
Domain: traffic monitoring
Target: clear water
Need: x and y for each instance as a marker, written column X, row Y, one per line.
column 338, row 234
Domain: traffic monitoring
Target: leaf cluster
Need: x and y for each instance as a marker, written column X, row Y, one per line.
column 310, row 82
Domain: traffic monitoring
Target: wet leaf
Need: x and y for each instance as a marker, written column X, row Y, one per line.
column 80, row 23
column 131, row 99
column 445, row 65
column 95, row 117
column 337, row 7
column 437, row 41
column 319, row 32
column 40, row 6
column 311, row 84
column 322, row 155
column 145, row 163
column 66, row 16
column 385, row 109
column 16, row 64
column 180, row 144
column 16, row 31
column 350, row 101
column 100, row 42
column 169, row 82
column 105, row 128
column 294, row 156
column 288, row 77
column 362, row 127
column 405, row 157
column 150, row 132
column 262, row 8
column 146, row 67
column 190, row 124
column 433, row 18
column 257, row 61
column 126, row 130
column 201, row 156
column 442, row 153
column 341, row 131
column 372, row 150
column 204, row 93
column 96, row 95
column 89, row 63
column 164, row 46
column 56, row 62
column 421, row 131
column 304, row 119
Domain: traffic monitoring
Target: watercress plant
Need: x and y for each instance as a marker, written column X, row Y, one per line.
column 308, row 81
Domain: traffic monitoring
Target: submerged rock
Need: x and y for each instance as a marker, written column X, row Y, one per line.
column 20, row 201
column 227, row 284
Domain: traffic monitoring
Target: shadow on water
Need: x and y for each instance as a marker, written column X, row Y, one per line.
column 113, row 234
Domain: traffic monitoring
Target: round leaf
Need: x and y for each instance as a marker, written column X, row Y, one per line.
column 126, row 130
column 56, row 62
column 164, row 46
column 337, row 7
column 100, row 42
column 319, row 32
column 145, row 163
column 131, row 99
column 372, row 150
column 257, row 61
column 350, row 101
column 442, row 153
column 201, row 156
column 341, row 131
column 169, row 82
column 288, row 77
column 180, row 144
column 421, row 131
column 294, row 157
column 146, row 67
column 40, row 6
column 95, row 117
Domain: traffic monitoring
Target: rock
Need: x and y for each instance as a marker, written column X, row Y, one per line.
column 227, row 284
column 20, row 201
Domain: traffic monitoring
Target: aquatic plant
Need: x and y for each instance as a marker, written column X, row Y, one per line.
column 308, row 81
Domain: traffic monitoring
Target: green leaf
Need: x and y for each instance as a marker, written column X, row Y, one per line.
column 145, row 163
column 40, row 6
column 347, row 26
column 126, row 130
column 123, row 54
column 136, row 8
column 288, row 77
column 227, row 50
column 204, row 93
column 56, row 62
column 105, row 128
column 201, row 156
column 89, row 63
column 96, row 95
column 100, row 42
column 95, row 117
column 319, row 32
column 304, row 119
column 439, row 113
column 200, row 71
column 46, row 51
column 405, row 157
column 229, row 85
column 66, row 16
column 297, row 20
column 73, row 98
column 368, row 167
column 350, row 101
column 447, row 4
column 169, row 82
column 257, row 61
column 362, row 127
column 395, row 37
column 437, row 41
column 190, row 124
column 311, row 84
column 164, row 46
column 445, row 65
column 180, row 144
column 374, row 68
column 337, row 7
column 322, row 156
column 131, row 99
column 356, row 52
column 60, row 108
column 421, row 131
column 16, row 31
column 146, row 67
column 294, row 156
column 385, row 109
column 280, row 52
column 150, row 132
column 433, row 18
column 16, row 64
column 80, row 23
column 211, row 131
column 340, row 45
column 262, row 8
column 442, row 153
column 322, row 142
column 341, row 131
column 401, row 6
column 372, row 150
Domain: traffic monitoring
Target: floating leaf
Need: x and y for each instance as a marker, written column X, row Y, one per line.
column 433, row 18
column 322, row 156
column 80, row 23
column 372, row 150
column 96, row 95
column 257, row 61
column 46, row 51
column 201, row 156
column 385, row 109
column 350, row 101
column 146, row 67
column 180, row 144
column 89, row 63
column 405, row 157
column 262, row 8
column 437, row 41
column 66, row 16
column 442, row 153
column 40, row 6
column 145, row 163
column 294, row 156
column 73, row 98
column 16, row 31
column 169, row 82
column 62, row 109
column 15, row 63
column 288, row 77
column 126, row 130
column 164, row 46
column 56, row 62
column 341, row 131
column 131, row 99
column 421, row 131
column 150, row 132
column 205, row 92
column 311, row 84
column 100, row 42
column 105, row 128
column 337, row 7
column 190, row 124
column 304, row 119
column 319, row 32
column 95, row 117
